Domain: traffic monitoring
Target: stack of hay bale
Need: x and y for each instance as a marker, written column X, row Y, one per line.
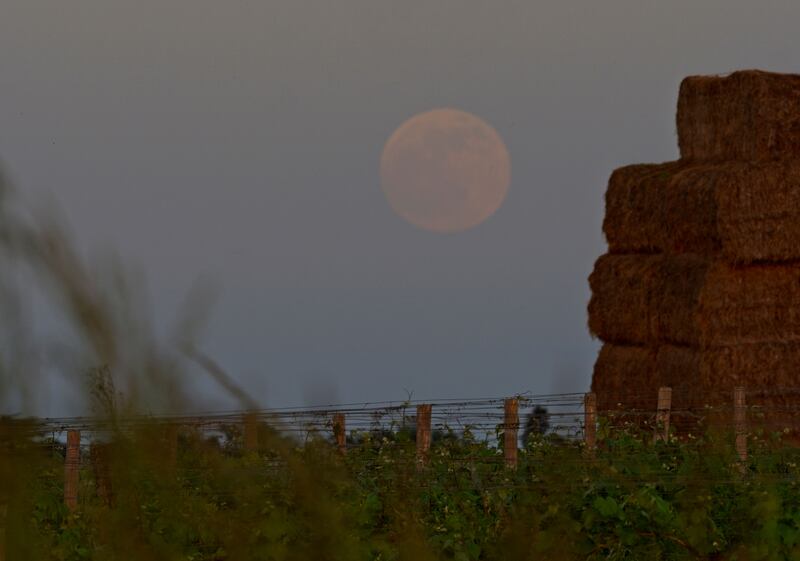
column 700, row 288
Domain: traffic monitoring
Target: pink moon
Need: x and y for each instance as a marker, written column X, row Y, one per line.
column 445, row 170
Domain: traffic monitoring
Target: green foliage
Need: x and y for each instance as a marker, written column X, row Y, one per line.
column 632, row 499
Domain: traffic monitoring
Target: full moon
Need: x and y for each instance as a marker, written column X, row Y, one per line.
column 445, row 170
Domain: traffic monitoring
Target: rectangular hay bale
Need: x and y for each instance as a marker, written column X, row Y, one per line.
column 646, row 299
column 689, row 300
column 746, row 212
column 627, row 378
column 746, row 116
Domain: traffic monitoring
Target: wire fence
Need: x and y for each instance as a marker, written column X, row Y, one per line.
column 566, row 416
column 483, row 418
column 499, row 424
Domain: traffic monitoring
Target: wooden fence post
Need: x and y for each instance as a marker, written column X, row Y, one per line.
column 590, row 421
column 740, row 421
column 662, row 415
column 423, row 432
column 510, row 430
column 251, row 432
column 71, row 469
column 340, row 432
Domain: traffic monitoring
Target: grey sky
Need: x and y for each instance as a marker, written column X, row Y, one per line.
column 241, row 140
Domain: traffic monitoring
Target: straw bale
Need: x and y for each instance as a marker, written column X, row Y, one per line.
column 628, row 376
column 769, row 372
column 646, row 299
column 702, row 381
column 747, row 115
column 750, row 304
column 622, row 292
column 626, row 381
column 635, row 206
column 688, row 300
column 759, row 212
column 762, row 366
column 676, row 297
column 624, row 377
column 747, row 212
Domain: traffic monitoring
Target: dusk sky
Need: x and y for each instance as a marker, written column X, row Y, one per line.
column 241, row 141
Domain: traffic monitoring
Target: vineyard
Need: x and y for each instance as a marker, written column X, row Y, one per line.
column 462, row 480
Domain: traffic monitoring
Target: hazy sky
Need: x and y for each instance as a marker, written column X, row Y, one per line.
column 241, row 140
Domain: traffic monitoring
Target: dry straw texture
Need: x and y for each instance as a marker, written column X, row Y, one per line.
column 625, row 377
column 745, row 116
column 628, row 377
column 745, row 212
column 641, row 299
column 687, row 300
column 700, row 290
